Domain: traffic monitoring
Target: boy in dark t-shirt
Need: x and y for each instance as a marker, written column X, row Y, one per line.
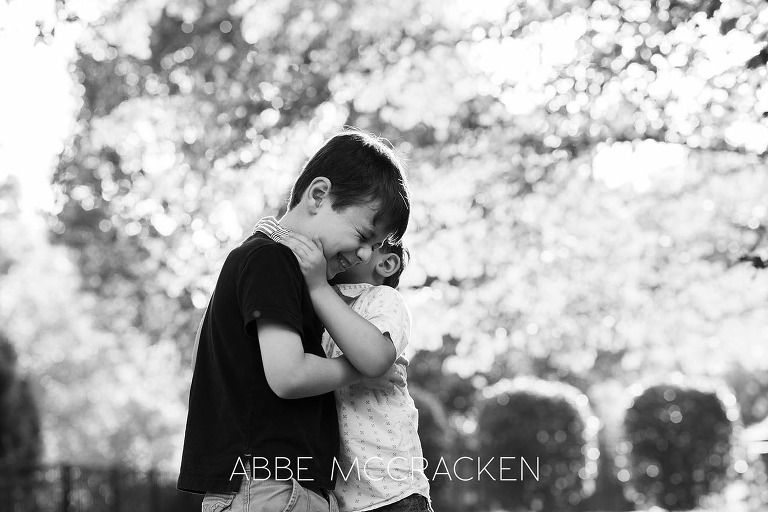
column 262, row 429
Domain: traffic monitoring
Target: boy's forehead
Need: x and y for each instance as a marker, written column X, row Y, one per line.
column 369, row 212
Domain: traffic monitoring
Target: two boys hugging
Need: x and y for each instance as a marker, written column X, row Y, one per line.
column 265, row 372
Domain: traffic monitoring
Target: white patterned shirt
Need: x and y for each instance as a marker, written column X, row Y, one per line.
column 377, row 428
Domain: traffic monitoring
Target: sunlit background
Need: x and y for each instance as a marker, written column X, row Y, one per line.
column 590, row 208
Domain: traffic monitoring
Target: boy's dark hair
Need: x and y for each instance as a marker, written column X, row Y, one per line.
column 361, row 167
column 391, row 247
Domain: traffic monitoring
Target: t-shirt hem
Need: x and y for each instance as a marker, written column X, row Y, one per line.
column 276, row 315
column 201, row 484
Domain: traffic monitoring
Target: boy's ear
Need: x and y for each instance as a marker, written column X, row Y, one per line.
column 388, row 266
column 317, row 192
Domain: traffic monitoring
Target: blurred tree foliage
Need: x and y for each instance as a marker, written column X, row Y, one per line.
column 751, row 390
column 87, row 395
column 20, row 433
column 20, row 439
column 588, row 176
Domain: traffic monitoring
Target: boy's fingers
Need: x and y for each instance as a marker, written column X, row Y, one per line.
column 386, row 386
column 298, row 251
column 293, row 243
column 318, row 243
column 395, row 377
column 287, row 240
column 300, row 238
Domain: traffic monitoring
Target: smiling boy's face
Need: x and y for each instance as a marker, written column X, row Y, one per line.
column 349, row 236
column 364, row 272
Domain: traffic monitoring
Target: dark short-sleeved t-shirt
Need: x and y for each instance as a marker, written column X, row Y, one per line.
column 233, row 413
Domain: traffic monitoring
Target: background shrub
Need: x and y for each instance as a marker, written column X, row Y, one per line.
column 681, row 439
column 436, row 441
column 529, row 418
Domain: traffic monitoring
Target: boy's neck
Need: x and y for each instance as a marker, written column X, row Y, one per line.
column 294, row 220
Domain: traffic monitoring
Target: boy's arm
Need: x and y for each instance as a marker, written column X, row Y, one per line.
column 366, row 347
column 269, row 295
column 292, row 373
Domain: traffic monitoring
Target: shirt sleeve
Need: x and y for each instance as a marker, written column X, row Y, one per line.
column 385, row 308
column 270, row 287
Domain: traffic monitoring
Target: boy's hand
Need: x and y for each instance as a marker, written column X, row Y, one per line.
column 309, row 253
column 395, row 376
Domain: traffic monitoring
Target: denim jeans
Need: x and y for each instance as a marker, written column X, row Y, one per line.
column 270, row 496
column 413, row 503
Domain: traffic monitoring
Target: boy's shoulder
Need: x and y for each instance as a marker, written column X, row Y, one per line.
column 262, row 250
column 382, row 297
column 386, row 308
column 364, row 290
column 260, row 243
column 385, row 291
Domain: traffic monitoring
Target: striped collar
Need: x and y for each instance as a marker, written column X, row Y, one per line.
column 272, row 228
column 352, row 291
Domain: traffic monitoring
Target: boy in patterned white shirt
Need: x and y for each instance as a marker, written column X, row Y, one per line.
column 380, row 467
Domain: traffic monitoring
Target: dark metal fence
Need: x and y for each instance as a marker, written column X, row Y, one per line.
column 68, row 488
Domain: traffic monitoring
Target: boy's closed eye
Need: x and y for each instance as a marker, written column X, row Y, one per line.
column 367, row 238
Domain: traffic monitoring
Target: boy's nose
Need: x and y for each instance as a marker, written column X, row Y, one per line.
column 365, row 253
